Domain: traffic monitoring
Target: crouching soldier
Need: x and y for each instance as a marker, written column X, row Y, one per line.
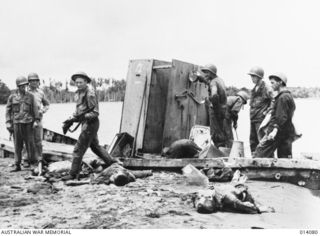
column 86, row 100
column 234, row 104
column 22, row 117
column 280, row 130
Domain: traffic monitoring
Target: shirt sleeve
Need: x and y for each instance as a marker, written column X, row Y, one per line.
column 236, row 109
column 9, row 110
column 92, row 103
column 281, row 112
column 45, row 103
column 35, row 109
column 214, row 98
column 237, row 106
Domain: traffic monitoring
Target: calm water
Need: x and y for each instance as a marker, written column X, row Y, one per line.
column 306, row 120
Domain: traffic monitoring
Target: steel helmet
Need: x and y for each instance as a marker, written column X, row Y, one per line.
column 210, row 67
column 81, row 75
column 244, row 95
column 256, row 71
column 280, row 76
column 33, row 76
column 21, row 80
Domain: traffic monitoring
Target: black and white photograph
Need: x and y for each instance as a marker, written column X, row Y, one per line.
column 166, row 114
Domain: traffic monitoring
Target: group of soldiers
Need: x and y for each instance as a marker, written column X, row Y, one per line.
column 24, row 112
column 27, row 105
column 271, row 112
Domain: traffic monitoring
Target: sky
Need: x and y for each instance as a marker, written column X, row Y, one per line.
column 56, row 38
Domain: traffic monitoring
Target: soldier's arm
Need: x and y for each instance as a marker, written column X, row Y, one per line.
column 9, row 110
column 35, row 109
column 236, row 109
column 45, row 102
column 214, row 98
column 270, row 97
column 281, row 113
column 92, row 102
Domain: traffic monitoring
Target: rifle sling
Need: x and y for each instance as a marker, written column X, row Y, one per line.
column 71, row 131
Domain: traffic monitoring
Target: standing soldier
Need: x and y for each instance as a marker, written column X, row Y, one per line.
column 260, row 101
column 217, row 102
column 43, row 106
column 234, row 104
column 21, row 117
column 87, row 104
column 280, row 131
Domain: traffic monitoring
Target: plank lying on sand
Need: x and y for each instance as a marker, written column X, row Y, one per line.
column 50, row 150
column 302, row 172
column 158, row 162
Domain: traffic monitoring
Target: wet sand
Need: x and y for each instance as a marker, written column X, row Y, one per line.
column 160, row 201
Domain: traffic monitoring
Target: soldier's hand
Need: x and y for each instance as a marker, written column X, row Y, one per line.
column 9, row 127
column 35, row 124
column 88, row 116
column 273, row 134
column 235, row 125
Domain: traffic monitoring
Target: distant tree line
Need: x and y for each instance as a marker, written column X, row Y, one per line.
column 297, row 92
column 108, row 89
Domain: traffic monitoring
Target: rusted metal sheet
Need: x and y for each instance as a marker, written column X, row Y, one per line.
column 184, row 108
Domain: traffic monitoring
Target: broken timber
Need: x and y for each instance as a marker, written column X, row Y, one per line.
column 302, row 172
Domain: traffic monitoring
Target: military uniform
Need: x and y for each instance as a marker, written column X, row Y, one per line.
column 87, row 99
column 22, row 112
column 281, row 118
column 234, row 104
column 43, row 106
column 261, row 97
column 217, row 109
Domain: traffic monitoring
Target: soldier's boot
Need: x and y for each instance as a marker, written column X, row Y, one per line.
column 70, row 177
column 16, row 168
column 26, row 164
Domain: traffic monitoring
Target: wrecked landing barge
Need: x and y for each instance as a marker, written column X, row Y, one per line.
column 161, row 106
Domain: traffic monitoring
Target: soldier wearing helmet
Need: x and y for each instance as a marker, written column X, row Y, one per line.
column 216, row 103
column 234, row 105
column 22, row 116
column 86, row 99
column 280, row 130
column 260, row 101
column 43, row 106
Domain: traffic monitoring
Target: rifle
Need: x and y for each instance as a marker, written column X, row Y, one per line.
column 76, row 118
column 10, row 136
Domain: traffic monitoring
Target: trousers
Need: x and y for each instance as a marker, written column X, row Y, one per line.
column 266, row 148
column 254, row 137
column 23, row 134
column 88, row 138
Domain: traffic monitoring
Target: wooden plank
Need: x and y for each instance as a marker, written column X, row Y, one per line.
column 237, row 163
column 138, row 72
column 182, row 111
column 166, row 66
column 155, row 118
column 60, row 150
